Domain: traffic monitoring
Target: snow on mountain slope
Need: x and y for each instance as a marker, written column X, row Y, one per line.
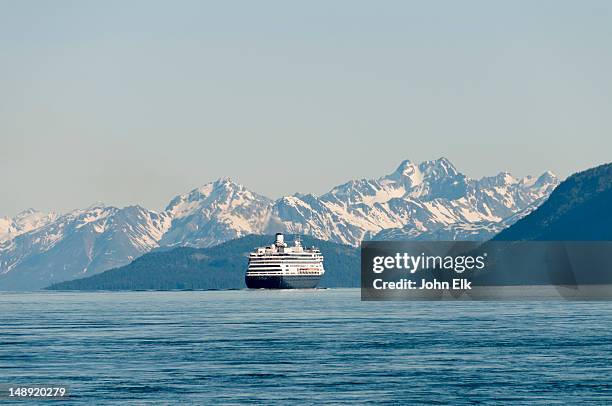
column 216, row 212
column 23, row 222
column 429, row 200
column 413, row 202
column 464, row 231
column 80, row 242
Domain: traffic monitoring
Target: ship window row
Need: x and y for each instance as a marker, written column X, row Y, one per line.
column 272, row 273
column 288, row 265
column 283, row 273
column 273, row 265
column 286, row 254
column 279, row 264
column 276, row 261
column 264, row 266
column 285, row 258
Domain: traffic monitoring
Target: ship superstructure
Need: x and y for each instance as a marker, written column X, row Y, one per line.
column 280, row 266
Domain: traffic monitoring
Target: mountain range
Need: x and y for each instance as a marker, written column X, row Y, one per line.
column 27, row 220
column 429, row 200
column 578, row 209
column 218, row 267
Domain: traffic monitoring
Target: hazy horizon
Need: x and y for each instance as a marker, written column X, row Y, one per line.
column 134, row 103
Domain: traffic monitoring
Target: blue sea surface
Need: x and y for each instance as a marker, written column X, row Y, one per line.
column 304, row 347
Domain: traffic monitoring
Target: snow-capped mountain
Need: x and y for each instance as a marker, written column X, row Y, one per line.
column 216, row 212
column 430, row 200
column 27, row 220
column 80, row 242
column 487, row 206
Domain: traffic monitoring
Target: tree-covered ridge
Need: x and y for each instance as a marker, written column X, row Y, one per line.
column 578, row 209
column 219, row 267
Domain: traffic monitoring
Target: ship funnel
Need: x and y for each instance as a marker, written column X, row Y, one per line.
column 280, row 239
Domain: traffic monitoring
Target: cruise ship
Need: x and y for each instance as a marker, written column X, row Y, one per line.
column 279, row 266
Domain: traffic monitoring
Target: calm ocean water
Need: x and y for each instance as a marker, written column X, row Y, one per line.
column 297, row 347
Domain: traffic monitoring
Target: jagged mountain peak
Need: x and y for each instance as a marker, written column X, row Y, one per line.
column 81, row 241
column 441, row 164
column 223, row 183
column 218, row 211
column 227, row 183
column 99, row 215
column 405, row 164
column 417, row 199
column 503, row 179
column 406, row 171
column 222, row 193
column 26, row 212
column 23, row 222
column 220, row 184
column 412, row 174
column 216, row 185
column 547, row 176
column 578, row 209
column 409, row 179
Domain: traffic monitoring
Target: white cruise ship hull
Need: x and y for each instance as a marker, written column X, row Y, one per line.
column 279, row 266
column 282, row 282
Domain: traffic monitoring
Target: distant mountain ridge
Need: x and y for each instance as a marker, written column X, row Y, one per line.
column 219, row 267
column 82, row 241
column 579, row 209
column 429, row 200
column 216, row 212
column 413, row 202
column 27, row 220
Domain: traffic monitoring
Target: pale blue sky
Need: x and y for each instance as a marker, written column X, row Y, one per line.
column 136, row 101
